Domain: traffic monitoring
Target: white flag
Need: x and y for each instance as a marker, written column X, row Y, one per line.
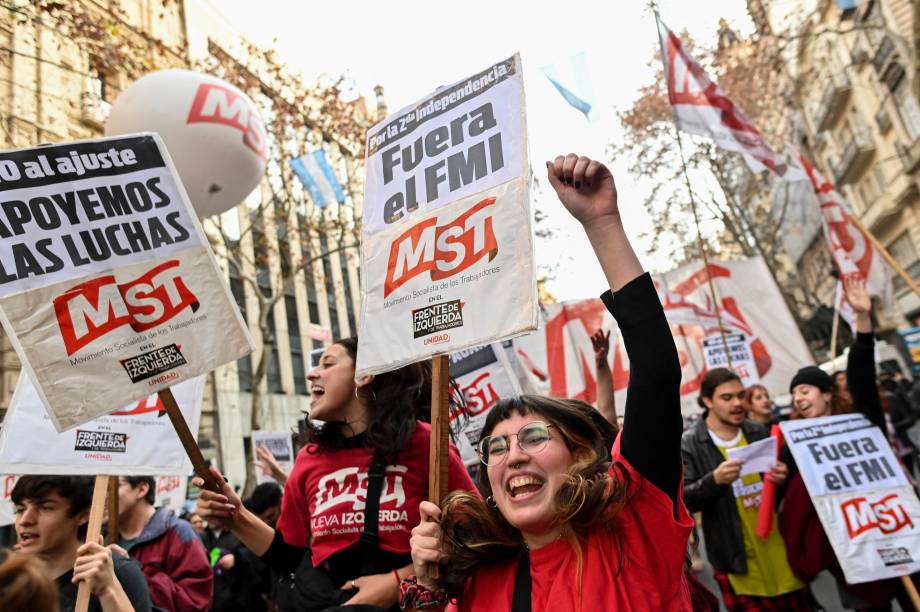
column 701, row 107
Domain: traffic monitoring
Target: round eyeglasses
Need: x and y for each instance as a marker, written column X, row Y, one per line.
column 532, row 438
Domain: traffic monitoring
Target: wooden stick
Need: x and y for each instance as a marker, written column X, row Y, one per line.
column 438, row 459
column 188, row 440
column 113, row 510
column 93, row 531
column 911, row 592
column 888, row 257
column 835, row 325
column 702, row 247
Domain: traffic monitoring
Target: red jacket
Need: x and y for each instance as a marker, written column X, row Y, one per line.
column 175, row 564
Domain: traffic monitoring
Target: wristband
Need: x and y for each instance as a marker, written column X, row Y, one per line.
column 414, row 596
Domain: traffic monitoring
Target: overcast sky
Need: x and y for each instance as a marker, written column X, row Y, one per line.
column 411, row 47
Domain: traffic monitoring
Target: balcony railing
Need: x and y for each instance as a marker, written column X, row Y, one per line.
column 855, row 159
column 833, row 103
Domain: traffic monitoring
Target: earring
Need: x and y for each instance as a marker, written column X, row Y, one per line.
column 491, row 502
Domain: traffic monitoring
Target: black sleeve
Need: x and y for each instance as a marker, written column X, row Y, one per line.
column 861, row 379
column 700, row 488
column 131, row 577
column 283, row 557
column 652, row 427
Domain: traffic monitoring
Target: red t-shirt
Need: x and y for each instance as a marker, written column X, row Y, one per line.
column 325, row 496
column 636, row 566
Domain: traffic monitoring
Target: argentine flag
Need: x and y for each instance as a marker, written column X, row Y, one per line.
column 316, row 174
column 571, row 81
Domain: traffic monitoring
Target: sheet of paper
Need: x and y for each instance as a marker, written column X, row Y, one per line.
column 758, row 457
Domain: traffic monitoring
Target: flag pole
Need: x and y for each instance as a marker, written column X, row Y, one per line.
column 702, row 247
column 888, row 257
column 835, row 326
column 696, row 216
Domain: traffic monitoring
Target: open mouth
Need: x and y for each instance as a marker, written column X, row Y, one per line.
column 27, row 539
column 524, row 487
column 317, row 392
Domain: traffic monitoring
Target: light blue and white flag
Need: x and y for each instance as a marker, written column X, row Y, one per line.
column 316, row 174
column 571, row 80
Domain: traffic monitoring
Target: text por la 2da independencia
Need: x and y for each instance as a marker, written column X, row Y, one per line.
column 96, row 243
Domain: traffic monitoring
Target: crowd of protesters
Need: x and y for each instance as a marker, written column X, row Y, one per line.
column 572, row 507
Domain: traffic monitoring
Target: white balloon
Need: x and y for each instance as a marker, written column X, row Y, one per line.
column 212, row 130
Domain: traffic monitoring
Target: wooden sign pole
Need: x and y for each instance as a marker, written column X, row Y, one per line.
column 188, row 440
column 911, row 591
column 438, row 458
column 93, row 531
column 113, row 510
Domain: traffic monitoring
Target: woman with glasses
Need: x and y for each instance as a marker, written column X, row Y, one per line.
column 568, row 518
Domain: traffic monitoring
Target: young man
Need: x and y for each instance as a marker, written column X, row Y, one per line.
column 51, row 517
column 174, row 561
column 752, row 573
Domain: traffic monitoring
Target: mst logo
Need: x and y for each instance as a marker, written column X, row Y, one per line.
column 217, row 104
column 349, row 486
column 887, row 514
column 94, row 308
column 442, row 250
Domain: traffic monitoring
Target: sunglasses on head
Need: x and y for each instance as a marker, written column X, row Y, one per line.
column 532, row 439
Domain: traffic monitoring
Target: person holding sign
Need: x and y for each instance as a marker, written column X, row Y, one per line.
column 752, row 572
column 572, row 517
column 813, row 395
column 51, row 517
column 370, row 452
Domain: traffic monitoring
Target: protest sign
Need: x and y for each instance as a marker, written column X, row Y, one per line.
column 559, row 359
column 739, row 348
column 135, row 440
column 912, row 341
column 869, row 511
column 448, row 239
column 171, row 491
column 281, row 448
column 757, row 457
column 106, row 279
column 484, row 377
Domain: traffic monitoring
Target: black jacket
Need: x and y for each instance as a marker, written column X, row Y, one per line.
column 721, row 523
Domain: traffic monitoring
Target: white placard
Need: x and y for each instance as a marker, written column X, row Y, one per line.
column 281, row 448
column 869, row 510
column 171, row 492
column 484, row 377
column 136, row 440
column 448, row 238
column 742, row 357
column 108, row 289
column 756, row 457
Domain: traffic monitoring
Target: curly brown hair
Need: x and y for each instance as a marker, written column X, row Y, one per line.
column 476, row 533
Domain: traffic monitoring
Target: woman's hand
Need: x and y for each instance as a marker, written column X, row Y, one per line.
column 266, row 462
column 375, row 590
column 219, row 509
column 426, row 544
column 585, row 187
column 858, row 297
column 601, row 343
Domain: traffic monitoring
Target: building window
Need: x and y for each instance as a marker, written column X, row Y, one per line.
column 346, row 280
column 273, row 371
column 297, row 362
column 243, row 364
column 908, row 108
column 905, row 253
column 330, row 289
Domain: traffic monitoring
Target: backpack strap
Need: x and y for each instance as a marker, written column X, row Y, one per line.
column 375, row 473
column 520, row 601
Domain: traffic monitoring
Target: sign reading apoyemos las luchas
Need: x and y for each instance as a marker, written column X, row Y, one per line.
column 448, row 240
column 108, row 289
column 869, row 510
